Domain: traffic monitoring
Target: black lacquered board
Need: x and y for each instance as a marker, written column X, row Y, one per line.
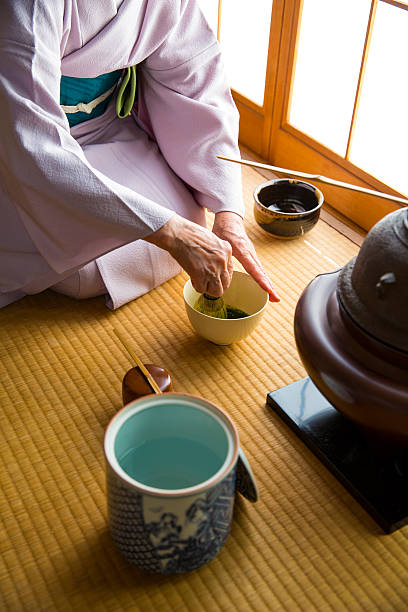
column 377, row 479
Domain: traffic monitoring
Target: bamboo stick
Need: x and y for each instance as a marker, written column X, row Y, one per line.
column 146, row 374
column 317, row 177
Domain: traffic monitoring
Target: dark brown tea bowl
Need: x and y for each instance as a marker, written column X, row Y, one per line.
column 287, row 208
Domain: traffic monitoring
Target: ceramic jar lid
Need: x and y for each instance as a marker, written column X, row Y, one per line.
column 373, row 287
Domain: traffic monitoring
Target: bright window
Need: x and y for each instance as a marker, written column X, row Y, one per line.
column 380, row 139
column 330, row 50
column 244, row 37
column 321, row 87
column 210, row 10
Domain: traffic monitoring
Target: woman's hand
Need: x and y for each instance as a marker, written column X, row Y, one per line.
column 206, row 257
column 229, row 226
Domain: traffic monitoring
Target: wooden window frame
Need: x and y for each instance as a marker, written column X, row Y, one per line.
column 266, row 130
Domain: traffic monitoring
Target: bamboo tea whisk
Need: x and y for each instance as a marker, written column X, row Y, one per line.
column 211, row 306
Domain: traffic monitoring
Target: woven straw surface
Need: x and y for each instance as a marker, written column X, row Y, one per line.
column 305, row 545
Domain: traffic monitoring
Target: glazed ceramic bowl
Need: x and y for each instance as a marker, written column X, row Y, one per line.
column 287, row 208
column 243, row 293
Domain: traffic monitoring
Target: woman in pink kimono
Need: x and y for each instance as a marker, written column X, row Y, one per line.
column 95, row 200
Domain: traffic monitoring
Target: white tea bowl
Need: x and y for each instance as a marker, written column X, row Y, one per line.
column 243, row 293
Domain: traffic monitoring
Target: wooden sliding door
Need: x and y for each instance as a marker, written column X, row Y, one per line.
column 321, row 87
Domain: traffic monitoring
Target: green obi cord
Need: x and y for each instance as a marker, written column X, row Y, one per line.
column 82, row 99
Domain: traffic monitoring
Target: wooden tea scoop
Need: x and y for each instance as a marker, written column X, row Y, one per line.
column 145, row 372
column 317, row 177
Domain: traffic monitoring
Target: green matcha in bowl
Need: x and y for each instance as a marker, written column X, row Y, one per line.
column 244, row 295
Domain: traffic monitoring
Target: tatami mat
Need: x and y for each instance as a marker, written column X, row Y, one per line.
column 305, row 545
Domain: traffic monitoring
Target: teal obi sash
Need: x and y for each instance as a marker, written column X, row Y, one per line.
column 82, row 99
column 76, row 94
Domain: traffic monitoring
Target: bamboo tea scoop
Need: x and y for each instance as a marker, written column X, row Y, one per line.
column 144, row 371
column 317, row 177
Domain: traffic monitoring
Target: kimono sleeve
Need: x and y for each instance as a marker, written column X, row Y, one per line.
column 186, row 95
column 72, row 212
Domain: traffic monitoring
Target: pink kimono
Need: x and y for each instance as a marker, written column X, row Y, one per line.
column 75, row 203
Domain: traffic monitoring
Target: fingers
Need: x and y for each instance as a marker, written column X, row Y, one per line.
column 260, row 275
column 213, row 272
column 207, row 256
column 230, row 227
column 226, row 276
column 214, row 287
column 252, row 265
column 210, row 283
column 203, row 255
